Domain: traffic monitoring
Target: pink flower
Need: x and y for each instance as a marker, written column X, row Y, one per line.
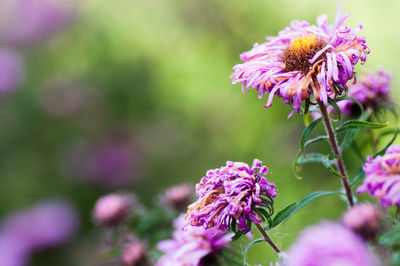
column 303, row 60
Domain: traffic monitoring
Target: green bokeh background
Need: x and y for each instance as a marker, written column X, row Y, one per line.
column 162, row 68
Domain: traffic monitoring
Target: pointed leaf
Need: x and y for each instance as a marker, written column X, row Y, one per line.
column 356, row 124
column 307, row 132
column 284, row 214
column 383, row 150
column 336, row 107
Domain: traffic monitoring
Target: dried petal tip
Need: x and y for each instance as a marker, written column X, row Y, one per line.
column 178, row 197
column 134, row 254
column 112, row 209
column 233, row 194
column 363, row 219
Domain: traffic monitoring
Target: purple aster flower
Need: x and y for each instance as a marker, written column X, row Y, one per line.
column 45, row 225
column 363, row 219
column 191, row 245
column 371, row 90
column 303, row 60
column 382, row 177
column 28, row 21
column 232, row 193
column 11, row 70
column 329, row 243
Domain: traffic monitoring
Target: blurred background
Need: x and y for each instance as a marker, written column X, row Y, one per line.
column 135, row 95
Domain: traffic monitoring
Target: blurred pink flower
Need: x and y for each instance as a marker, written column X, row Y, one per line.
column 29, row 21
column 11, row 70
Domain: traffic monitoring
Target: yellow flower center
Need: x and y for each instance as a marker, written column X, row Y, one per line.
column 297, row 54
column 303, row 43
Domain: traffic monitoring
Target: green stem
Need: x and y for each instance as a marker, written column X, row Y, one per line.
column 336, row 152
column 266, row 237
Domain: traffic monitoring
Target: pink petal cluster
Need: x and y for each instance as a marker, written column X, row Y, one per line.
column 321, row 68
column 191, row 245
column 382, row 179
column 231, row 194
column 329, row 243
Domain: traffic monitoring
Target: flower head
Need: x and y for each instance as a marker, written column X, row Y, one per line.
column 134, row 254
column 43, row 226
column 112, row 209
column 232, row 193
column 363, row 219
column 28, row 21
column 329, row 244
column 371, row 90
column 303, row 60
column 178, row 197
column 190, row 245
column 382, row 179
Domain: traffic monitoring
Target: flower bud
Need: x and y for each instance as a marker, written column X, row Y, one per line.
column 178, row 197
column 134, row 254
column 112, row 209
column 363, row 219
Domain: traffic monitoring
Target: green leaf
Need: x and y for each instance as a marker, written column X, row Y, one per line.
column 330, row 166
column 356, row 124
column 383, row 150
column 326, row 160
column 314, row 140
column 307, row 132
column 350, row 134
column 337, row 109
column 238, row 235
column 248, row 246
column 284, row 214
column 310, row 158
column 390, row 238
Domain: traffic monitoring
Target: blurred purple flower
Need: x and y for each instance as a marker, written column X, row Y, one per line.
column 382, row 179
column 45, row 225
column 13, row 251
column 233, row 192
column 371, row 90
column 134, row 254
column 11, row 70
column 363, row 219
column 112, row 209
column 329, row 243
column 303, row 60
column 109, row 163
column 177, row 197
column 28, row 21
column 190, row 245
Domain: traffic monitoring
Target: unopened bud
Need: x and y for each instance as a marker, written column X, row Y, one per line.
column 178, row 197
column 363, row 219
column 112, row 209
column 134, row 254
